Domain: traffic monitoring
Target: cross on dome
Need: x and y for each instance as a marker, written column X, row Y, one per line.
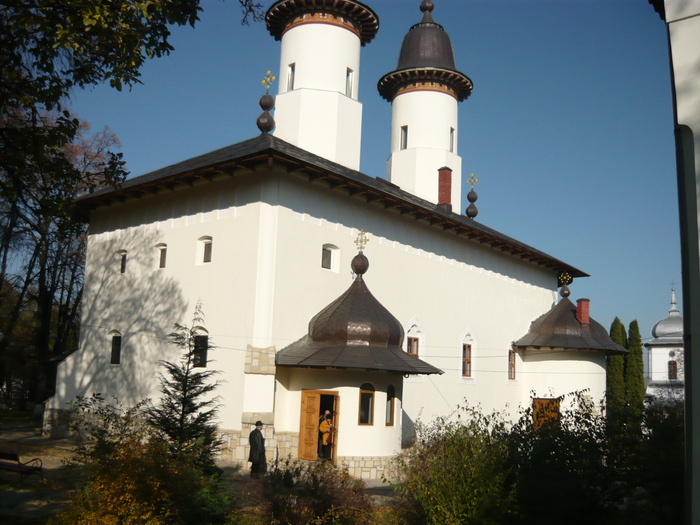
column 361, row 241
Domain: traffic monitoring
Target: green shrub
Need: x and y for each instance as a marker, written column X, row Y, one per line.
column 316, row 493
column 132, row 478
column 457, row 472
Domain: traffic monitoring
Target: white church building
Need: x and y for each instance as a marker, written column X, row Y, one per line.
column 263, row 233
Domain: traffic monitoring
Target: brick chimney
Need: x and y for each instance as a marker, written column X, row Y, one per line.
column 583, row 307
column 445, row 188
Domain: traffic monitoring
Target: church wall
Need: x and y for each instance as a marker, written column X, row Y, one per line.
column 552, row 372
column 449, row 286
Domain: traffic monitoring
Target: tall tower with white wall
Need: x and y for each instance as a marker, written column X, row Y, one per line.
column 317, row 107
column 424, row 91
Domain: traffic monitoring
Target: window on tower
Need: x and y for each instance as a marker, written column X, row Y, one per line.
column 404, row 137
column 452, row 140
column 291, row 70
column 348, row 82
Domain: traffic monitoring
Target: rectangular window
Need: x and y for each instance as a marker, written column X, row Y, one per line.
column 404, row 137
column 116, row 350
column 291, row 71
column 412, row 346
column 122, row 268
column 366, row 405
column 163, row 255
column 466, row 360
column 452, row 140
column 199, row 356
column 326, row 258
column 348, row 82
column 207, row 252
column 511, row 364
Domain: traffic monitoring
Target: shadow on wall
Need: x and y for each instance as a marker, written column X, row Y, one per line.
column 408, row 429
column 134, row 298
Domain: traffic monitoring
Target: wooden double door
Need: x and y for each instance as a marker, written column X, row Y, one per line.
column 313, row 404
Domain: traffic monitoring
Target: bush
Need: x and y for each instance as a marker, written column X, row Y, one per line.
column 131, row 477
column 457, row 472
column 316, row 493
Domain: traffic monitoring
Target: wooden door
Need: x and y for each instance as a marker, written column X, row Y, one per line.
column 308, row 428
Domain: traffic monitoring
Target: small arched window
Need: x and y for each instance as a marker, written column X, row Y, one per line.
column 116, row 356
column 204, row 249
column 162, row 254
column 390, row 401
column 200, row 349
column 366, row 404
column 329, row 257
column 673, row 369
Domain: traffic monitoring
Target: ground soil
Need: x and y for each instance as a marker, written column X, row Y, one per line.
column 32, row 499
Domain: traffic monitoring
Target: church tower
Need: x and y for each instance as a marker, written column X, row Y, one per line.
column 424, row 91
column 317, row 107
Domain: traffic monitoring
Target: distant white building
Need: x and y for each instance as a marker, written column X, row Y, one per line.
column 263, row 233
column 666, row 373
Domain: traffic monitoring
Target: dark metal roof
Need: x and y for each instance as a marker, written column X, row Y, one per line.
column 283, row 12
column 426, row 56
column 268, row 150
column 354, row 331
column 559, row 328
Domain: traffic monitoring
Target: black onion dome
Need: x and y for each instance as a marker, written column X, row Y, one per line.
column 283, row 12
column 354, row 331
column 426, row 56
column 559, row 328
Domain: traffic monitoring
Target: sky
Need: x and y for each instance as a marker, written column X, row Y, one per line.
column 569, row 128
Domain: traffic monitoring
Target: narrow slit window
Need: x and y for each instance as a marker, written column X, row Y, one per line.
column 366, row 404
column 452, row 140
column 348, row 82
column 466, row 360
column 116, row 356
column 122, row 261
column 412, row 346
column 511, row 364
column 162, row 255
column 201, row 347
column 390, row 401
column 404, row 137
column 326, row 258
column 291, row 72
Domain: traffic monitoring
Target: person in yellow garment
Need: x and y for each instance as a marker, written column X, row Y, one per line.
column 326, row 429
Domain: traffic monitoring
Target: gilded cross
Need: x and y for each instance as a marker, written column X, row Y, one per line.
column 472, row 181
column 361, row 241
column 269, row 79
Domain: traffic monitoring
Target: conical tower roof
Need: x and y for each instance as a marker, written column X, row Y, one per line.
column 426, row 56
column 561, row 327
column 354, row 332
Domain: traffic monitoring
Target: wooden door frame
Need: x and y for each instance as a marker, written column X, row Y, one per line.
column 336, row 405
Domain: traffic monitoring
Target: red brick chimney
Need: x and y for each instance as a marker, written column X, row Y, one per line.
column 583, row 307
column 445, row 188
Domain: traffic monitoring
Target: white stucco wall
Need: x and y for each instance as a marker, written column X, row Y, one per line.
column 265, row 282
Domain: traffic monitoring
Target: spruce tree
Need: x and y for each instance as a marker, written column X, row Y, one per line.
column 185, row 414
column 634, row 376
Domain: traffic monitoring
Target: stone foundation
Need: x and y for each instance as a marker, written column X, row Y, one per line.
column 368, row 467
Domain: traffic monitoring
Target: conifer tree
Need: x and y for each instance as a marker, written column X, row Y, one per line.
column 185, row 414
column 634, row 375
column 615, row 378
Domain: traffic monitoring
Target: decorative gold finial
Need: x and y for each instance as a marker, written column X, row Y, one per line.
column 361, row 241
column 472, row 181
column 269, row 79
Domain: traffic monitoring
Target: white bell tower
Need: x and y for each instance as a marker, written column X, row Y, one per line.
column 424, row 91
column 317, row 107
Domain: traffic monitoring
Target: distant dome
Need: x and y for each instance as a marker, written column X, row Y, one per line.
column 669, row 329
